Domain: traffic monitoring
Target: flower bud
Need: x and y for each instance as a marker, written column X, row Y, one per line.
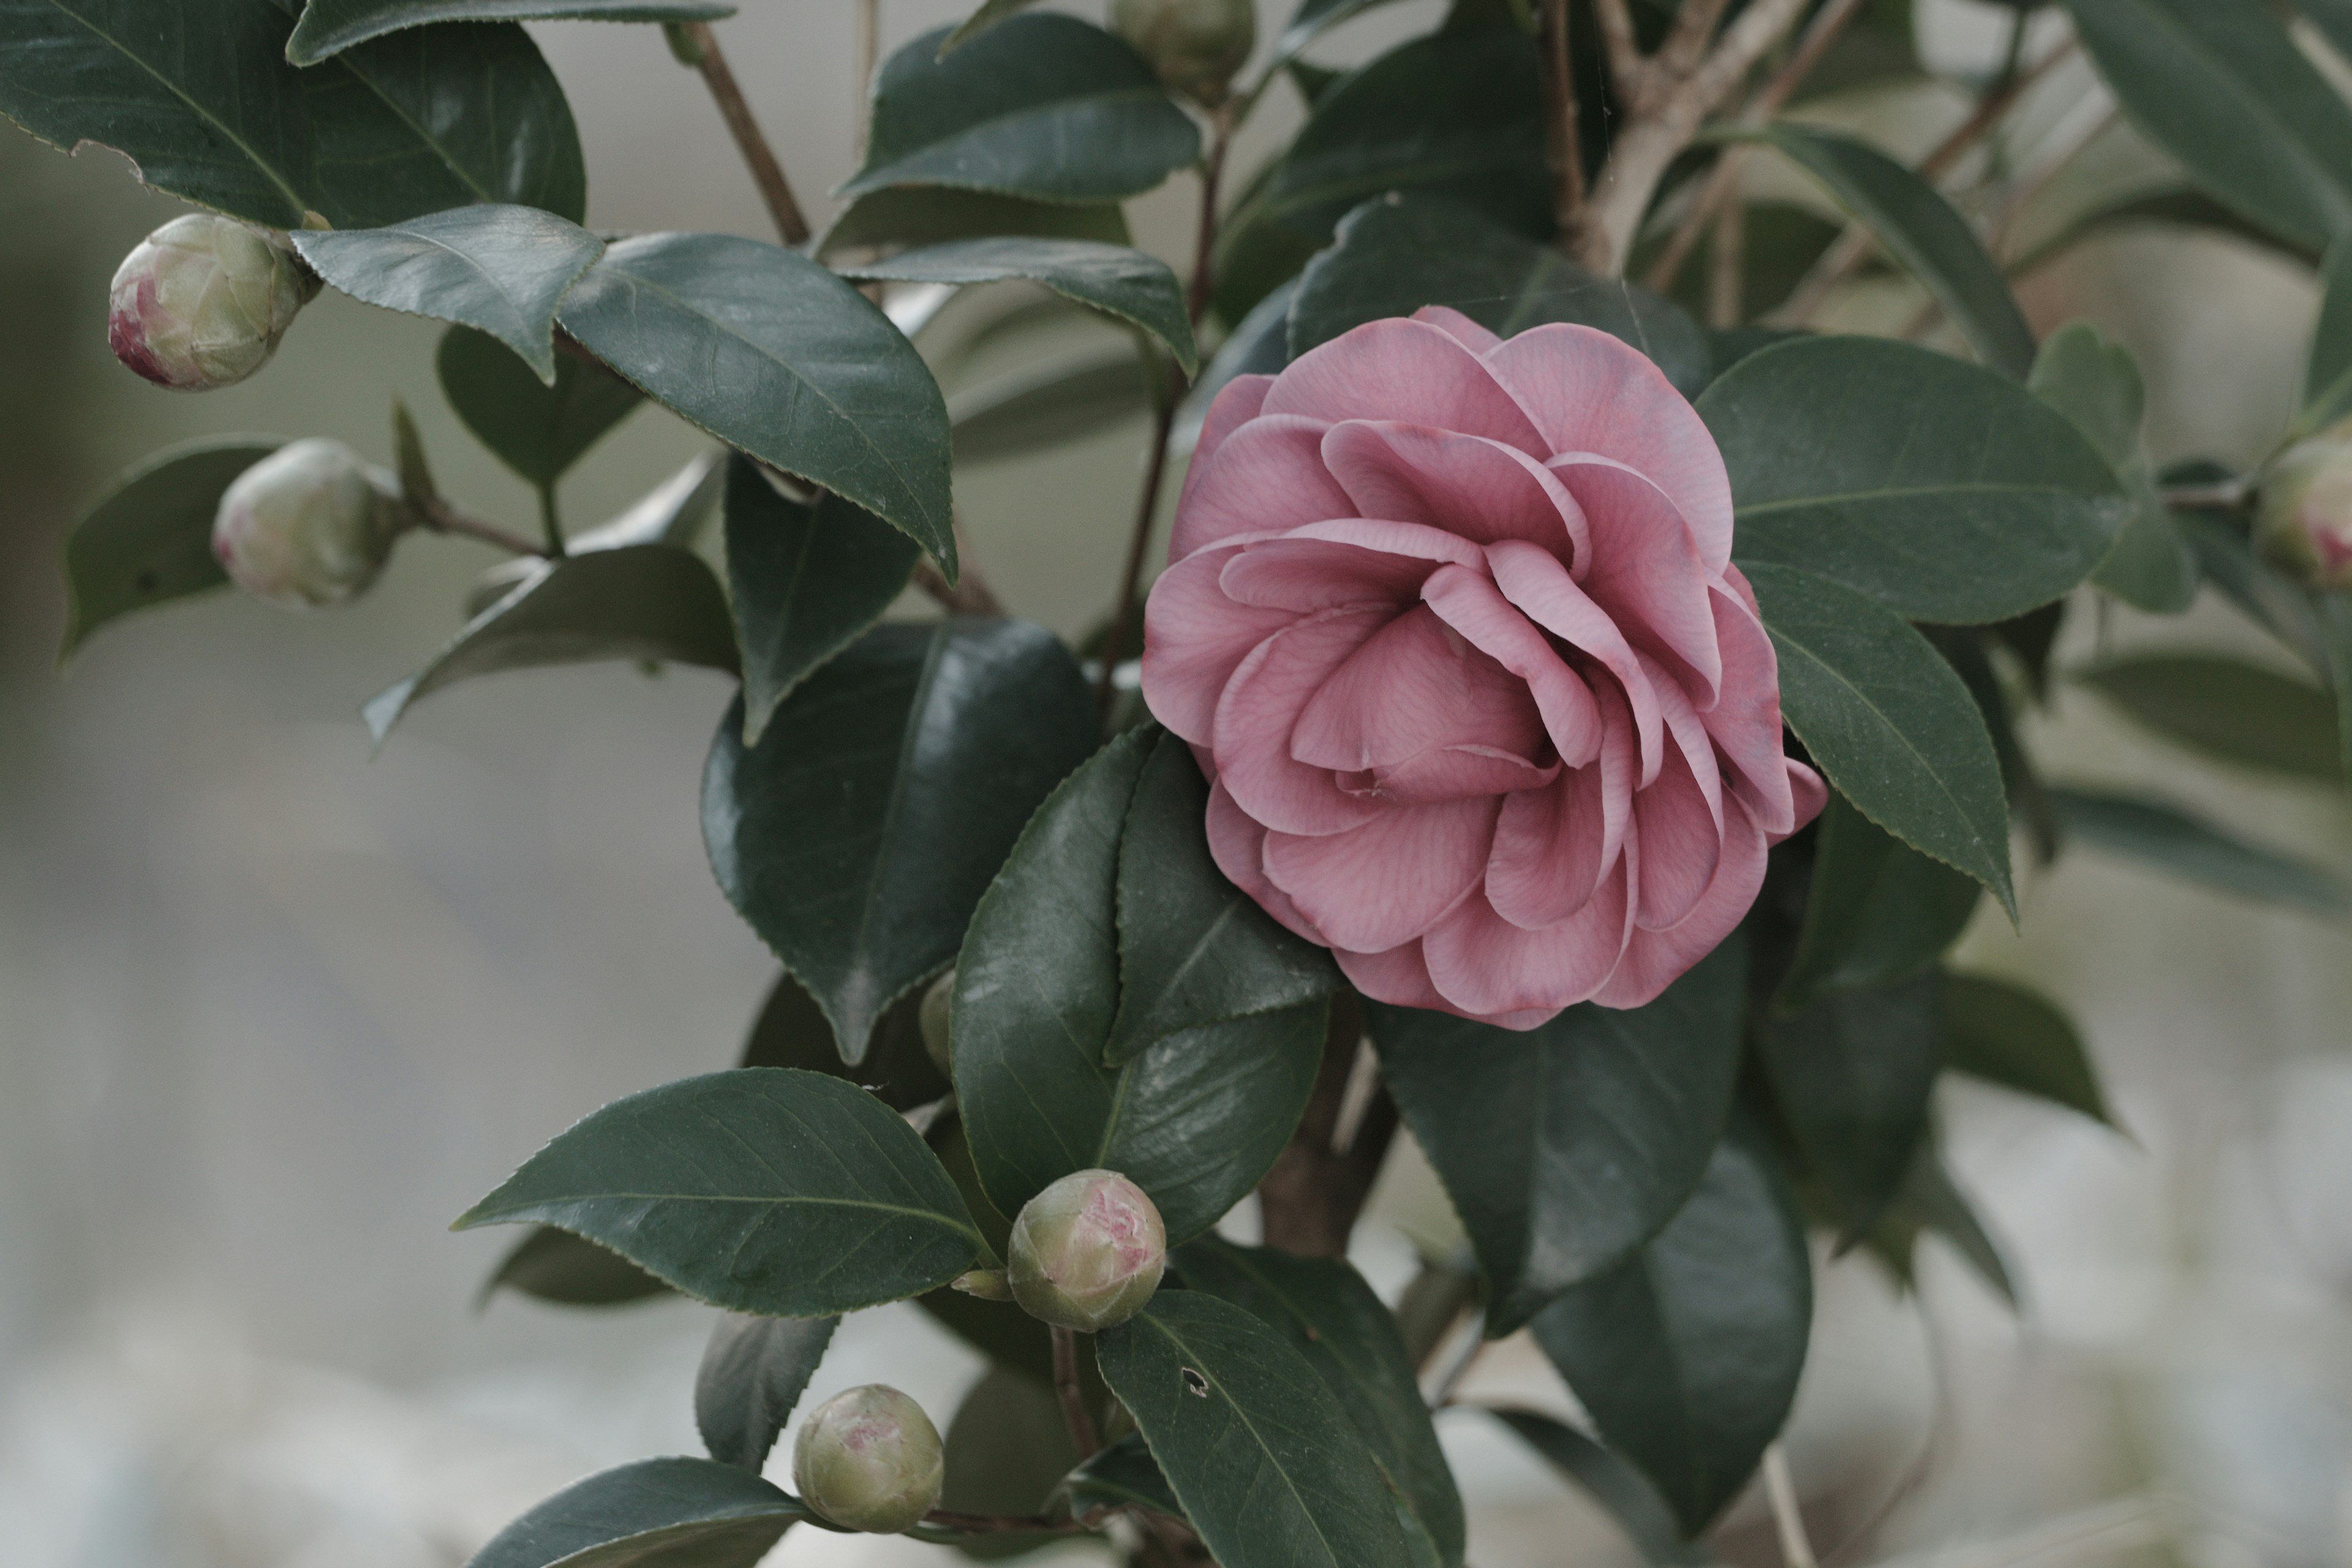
column 309, row 525
column 1196, row 46
column 936, row 1019
column 202, row 300
column 1087, row 1252
column 869, row 1459
column 2303, row 521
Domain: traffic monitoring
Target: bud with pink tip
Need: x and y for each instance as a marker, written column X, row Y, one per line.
column 2304, row 520
column 869, row 1459
column 309, row 525
column 1087, row 1252
column 202, row 300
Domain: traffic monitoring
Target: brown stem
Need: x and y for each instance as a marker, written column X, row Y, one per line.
column 1310, row 1199
column 969, row 594
column 1560, row 149
column 1685, row 42
column 766, row 172
column 1083, row 1436
column 1213, row 168
column 1628, row 72
column 442, row 518
column 1130, row 576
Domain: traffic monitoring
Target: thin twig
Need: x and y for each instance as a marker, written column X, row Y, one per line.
column 1560, row 149
column 440, row 517
column 1685, row 42
column 766, row 172
column 1204, row 243
column 869, row 56
column 1130, row 576
column 1787, row 1516
column 1083, row 1437
column 1627, row 69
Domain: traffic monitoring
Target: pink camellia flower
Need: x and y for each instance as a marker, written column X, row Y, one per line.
column 1451, row 624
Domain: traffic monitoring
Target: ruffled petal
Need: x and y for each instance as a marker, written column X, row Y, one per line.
column 1471, row 603
column 1237, row 844
column 1537, row 585
column 1812, row 794
column 1409, row 371
column 1194, row 637
column 1265, row 477
column 1553, row 846
column 1745, row 722
column 1236, row 404
column 1304, row 575
column 1261, row 707
column 1381, row 885
column 1458, row 327
column 1486, row 966
column 1478, row 490
column 1655, row 959
column 1646, row 571
column 1415, row 687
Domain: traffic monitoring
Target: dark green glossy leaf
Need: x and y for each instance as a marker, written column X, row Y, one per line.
column 2227, row 709
column 2178, row 205
column 1687, row 1355
column 761, row 1189
column 1394, row 255
column 1008, row 1449
column 1615, row 1485
column 2335, row 626
column 1851, row 1076
column 1123, row 282
column 330, row 26
column 2328, row 371
column 1122, row 1474
column 1921, row 229
column 2096, row 383
column 1889, row 722
column 1930, row 1201
column 2168, row 838
column 498, row 268
column 806, row 581
column 201, row 99
column 149, row 540
column 1945, row 491
column 791, row 1031
column 537, row 429
column 1458, row 114
column 556, row 1266
column 641, row 602
column 2005, row 1035
column 1567, row 1146
column 987, row 14
column 1194, row 949
column 1331, row 1316
column 1196, row 1119
column 1878, row 911
column 775, row 355
column 2222, row 87
column 754, row 1372
column 1043, row 105
column 1260, row 1452
column 860, row 832
column 673, row 512
column 932, row 214
column 1043, row 408
column 2225, row 555
column 655, row 1513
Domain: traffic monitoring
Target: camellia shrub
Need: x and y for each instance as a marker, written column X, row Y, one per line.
column 1576, row 716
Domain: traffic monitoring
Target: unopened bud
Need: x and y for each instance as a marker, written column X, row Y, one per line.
column 202, row 300
column 309, row 525
column 1196, row 46
column 2303, row 521
column 936, row 1019
column 1087, row 1252
column 869, row 1459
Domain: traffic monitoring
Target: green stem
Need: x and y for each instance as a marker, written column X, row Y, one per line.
column 550, row 524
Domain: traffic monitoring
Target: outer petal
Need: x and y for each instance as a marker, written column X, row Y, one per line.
column 1259, row 709
column 1415, row 687
column 1401, row 977
column 1304, row 575
column 1486, row 966
column 1471, row 603
column 1458, row 327
column 1236, row 404
column 1587, row 392
column 1380, row 886
column 1194, row 637
column 1409, row 371
column 1237, row 844
column 1480, row 490
column 1646, row 571
column 1682, row 845
column 1655, row 959
column 1265, row 477
column 1810, row 793
column 1538, row 585
column 1745, row 722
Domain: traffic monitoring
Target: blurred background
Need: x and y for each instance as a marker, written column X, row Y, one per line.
column 272, row 1012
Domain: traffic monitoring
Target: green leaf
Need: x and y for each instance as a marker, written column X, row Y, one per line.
column 330, row 26
column 1331, row 1316
column 932, row 214
column 859, row 833
column 2225, row 554
column 655, row 1513
column 1921, row 229
column 775, row 355
column 2328, row 375
column 2223, row 88
column 1616, row 1486
column 1194, row 949
column 990, row 12
column 1008, row 1449
column 1930, row 1201
column 1687, row 1355
column 1039, row 409
column 1878, row 911
column 2005, row 1035
column 202, row 99
column 1851, row 1076
column 2096, row 383
column 1565, row 1147
column 1125, row 282
column 1945, row 491
column 1259, row 1451
column 1394, row 255
column 673, row 512
column 754, row 1372
column 2176, row 205
column 640, row 602
column 1458, row 114
column 1196, row 1119
column 791, row 1031
column 556, row 1266
column 498, row 267
column 2336, row 626
column 1123, row 1475
column 149, row 540
column 762, row 1190
column 1043, row 105
column 1313, row 18
column 2161, row 836
column 2227, row 710
column 806, row 581
column 1889, row 722
column 538, row 430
